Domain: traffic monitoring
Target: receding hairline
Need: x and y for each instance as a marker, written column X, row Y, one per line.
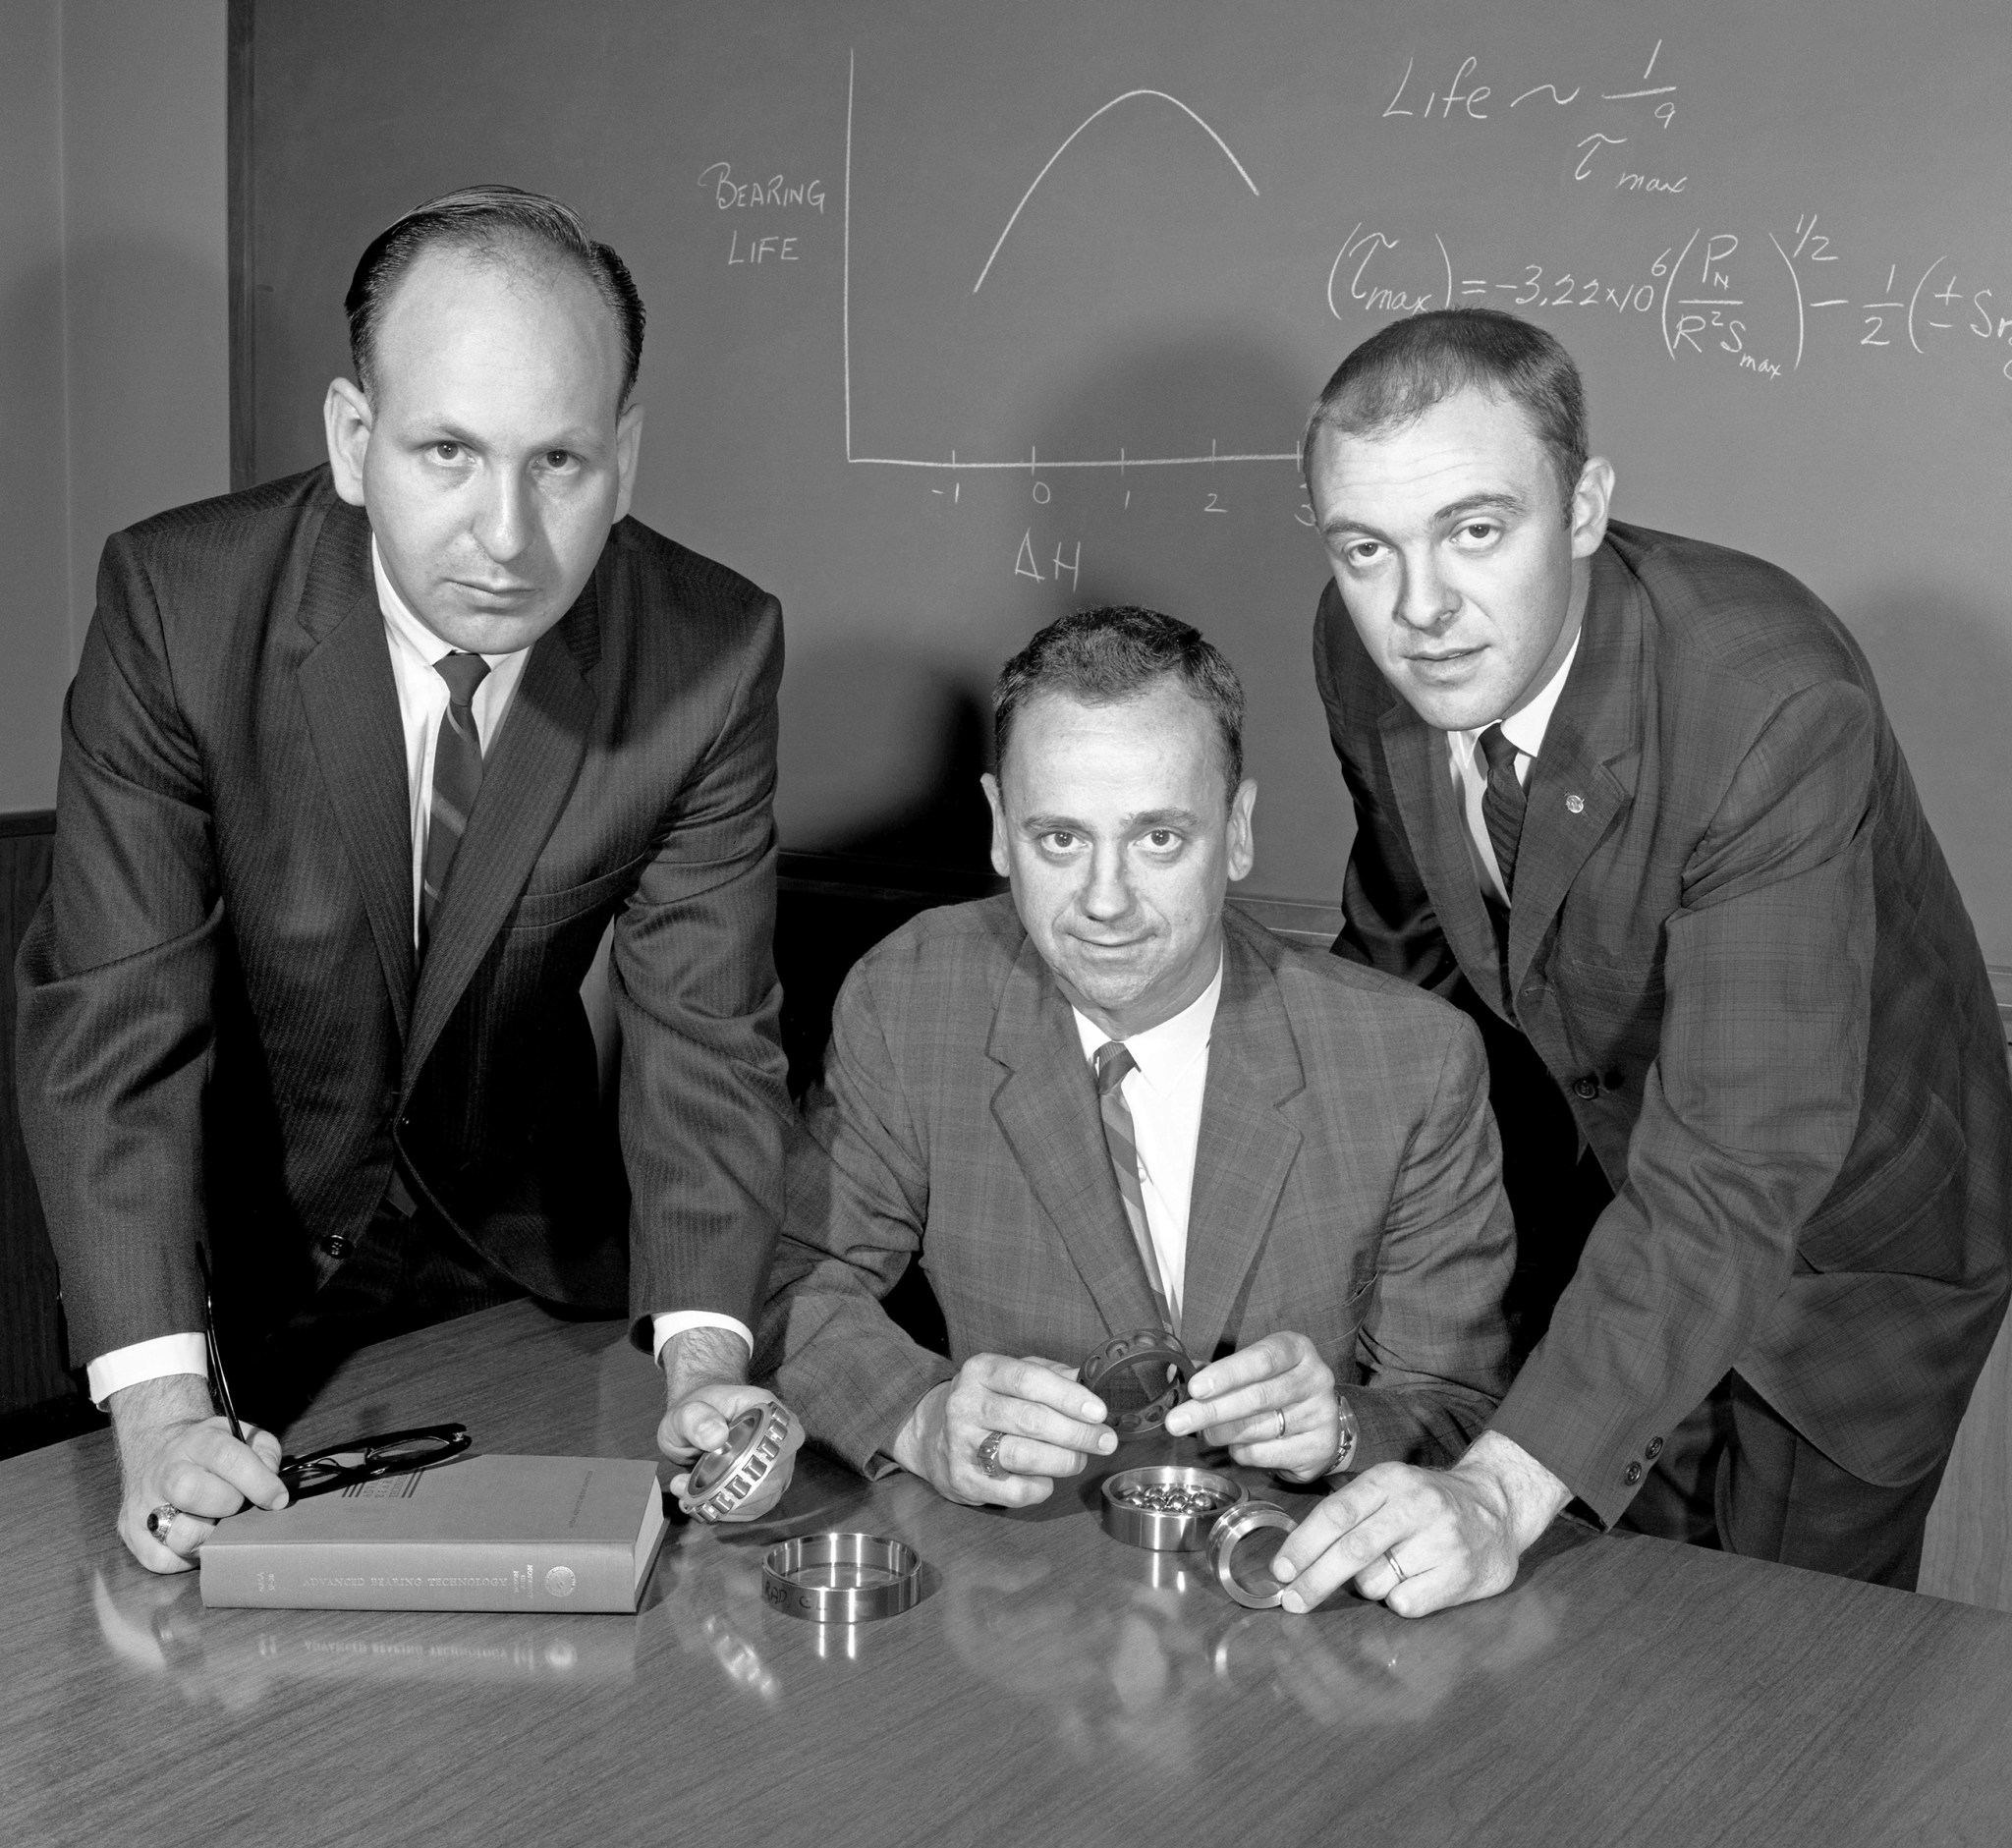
column 1171, row 679
column 531, row 267
column 1329, row 431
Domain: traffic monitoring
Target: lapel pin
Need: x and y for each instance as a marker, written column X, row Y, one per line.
column 1576, row 804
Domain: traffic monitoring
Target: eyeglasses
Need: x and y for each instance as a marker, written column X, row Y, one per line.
column 340, row 1466
column 395, row 1453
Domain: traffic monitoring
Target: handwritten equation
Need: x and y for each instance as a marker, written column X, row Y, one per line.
column 1770, row 301
column 1766, row 301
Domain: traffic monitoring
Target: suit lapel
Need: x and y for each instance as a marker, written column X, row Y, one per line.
column 1584, row 777
column 526, row 783
column 351, row 704
column 1437, row 831
column 1247, row 1147
column 1047, row 1109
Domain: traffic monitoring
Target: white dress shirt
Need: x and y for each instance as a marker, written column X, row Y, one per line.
column 1163, row 1092
column 1525, row 731
column 422, row 706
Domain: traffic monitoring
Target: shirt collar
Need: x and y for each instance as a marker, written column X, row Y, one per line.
column 409, row 629
column 1525, row 731
column 1165, row 1053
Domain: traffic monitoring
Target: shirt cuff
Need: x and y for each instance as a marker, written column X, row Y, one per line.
column 675, row 1322
column 153, row 1359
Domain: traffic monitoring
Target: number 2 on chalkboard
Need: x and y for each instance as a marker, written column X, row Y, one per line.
column 1214, row 505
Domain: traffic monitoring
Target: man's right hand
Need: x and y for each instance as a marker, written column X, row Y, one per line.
column 1052, row 1426
column 174, row 1451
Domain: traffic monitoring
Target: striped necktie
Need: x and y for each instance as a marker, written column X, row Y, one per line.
column 1502, row 803
column 1113, row 1062
column 457, row 775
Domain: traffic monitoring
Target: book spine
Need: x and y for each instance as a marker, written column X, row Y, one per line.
column 419, row 1575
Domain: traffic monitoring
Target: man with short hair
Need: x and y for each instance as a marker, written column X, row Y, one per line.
column 1106, row 1104
column 356, row 768
column 1633, row 802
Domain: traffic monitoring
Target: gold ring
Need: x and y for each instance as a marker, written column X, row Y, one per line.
column 1390, row 1561
column 1281, row 1420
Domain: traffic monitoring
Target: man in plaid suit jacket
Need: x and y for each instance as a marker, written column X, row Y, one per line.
column 1340, row 1256
column 1631, row 800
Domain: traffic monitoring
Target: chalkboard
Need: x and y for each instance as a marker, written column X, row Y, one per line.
column 966, row 313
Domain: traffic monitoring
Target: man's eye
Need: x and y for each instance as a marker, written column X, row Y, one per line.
column 447, row 451
column 558, row 458
column 1476, row 532
column 1362, row 552
column 1162, row 838
column 1058, row 840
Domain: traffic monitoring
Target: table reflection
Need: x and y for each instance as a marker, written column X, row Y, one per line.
column 239, row 1658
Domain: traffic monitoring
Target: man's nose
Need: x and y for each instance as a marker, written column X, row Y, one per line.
column 1425, row 599
column 506, row 519
column 1106, row 890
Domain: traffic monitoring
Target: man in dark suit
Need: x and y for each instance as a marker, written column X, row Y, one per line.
column 356, row 768
column 1633, row 801
column 1106, row 1104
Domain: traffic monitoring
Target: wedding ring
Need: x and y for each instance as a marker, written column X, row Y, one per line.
column 160, row 1519
column 841, row 1578
column 1281, row 1421
column 988, row 1454
column 1390, row 1561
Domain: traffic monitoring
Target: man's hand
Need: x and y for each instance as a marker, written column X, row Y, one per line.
column 706, row 1383
column 1237, row 1401
column 173, row 1450
column 1050, row 1426
column 1454, row 1534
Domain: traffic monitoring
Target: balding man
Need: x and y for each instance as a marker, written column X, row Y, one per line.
column 356, row 769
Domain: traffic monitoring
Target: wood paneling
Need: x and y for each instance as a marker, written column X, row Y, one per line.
column 31, row 1360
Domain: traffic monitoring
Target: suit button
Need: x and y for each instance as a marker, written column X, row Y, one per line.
column 1631, row 1475
column 1652, row 1449
column 335, row 1245
column 1587, row 1087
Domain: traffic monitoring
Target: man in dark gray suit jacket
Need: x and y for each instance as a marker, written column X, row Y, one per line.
column 1304, row 1181
column 1633, row 801
column 356, row 769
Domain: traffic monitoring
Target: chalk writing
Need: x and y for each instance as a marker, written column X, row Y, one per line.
column 731, row 194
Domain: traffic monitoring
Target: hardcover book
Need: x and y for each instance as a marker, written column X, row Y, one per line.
column 563, row 1533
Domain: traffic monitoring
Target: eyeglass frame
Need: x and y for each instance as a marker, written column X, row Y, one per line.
column 453, row 1435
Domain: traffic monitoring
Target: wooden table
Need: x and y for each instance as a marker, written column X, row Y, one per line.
column 1054, row 1687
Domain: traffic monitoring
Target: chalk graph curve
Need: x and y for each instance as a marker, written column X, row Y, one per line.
column 1128, row 96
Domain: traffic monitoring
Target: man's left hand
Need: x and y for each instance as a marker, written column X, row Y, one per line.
column 1272, row 1404
column 705, row 1384
column 1421, row 1539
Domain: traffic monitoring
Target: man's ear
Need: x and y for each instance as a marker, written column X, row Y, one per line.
column 346, row 416
column 1589, row 506
column 1001, row 865
column 1243, row 839
column 628, row 446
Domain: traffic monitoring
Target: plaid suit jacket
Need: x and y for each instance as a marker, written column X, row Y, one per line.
column 221, row 1027
column 1346, row 1186
column 1737, row 947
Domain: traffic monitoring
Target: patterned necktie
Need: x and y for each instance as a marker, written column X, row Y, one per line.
column 457, row 775
column 1113, row 1062
column 1502, row 804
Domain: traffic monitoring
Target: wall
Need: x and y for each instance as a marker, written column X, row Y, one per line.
column 114, row 334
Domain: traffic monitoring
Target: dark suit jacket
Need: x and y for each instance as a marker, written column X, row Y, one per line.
column 221, row 1025
column 1737, row 948
column 1346, row 1186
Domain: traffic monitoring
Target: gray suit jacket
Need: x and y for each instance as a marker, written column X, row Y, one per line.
column 1346, row 1186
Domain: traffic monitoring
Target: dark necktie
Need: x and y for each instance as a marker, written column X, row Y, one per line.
column 1113, row 1062
column 1502, row 804
column 457, row 775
